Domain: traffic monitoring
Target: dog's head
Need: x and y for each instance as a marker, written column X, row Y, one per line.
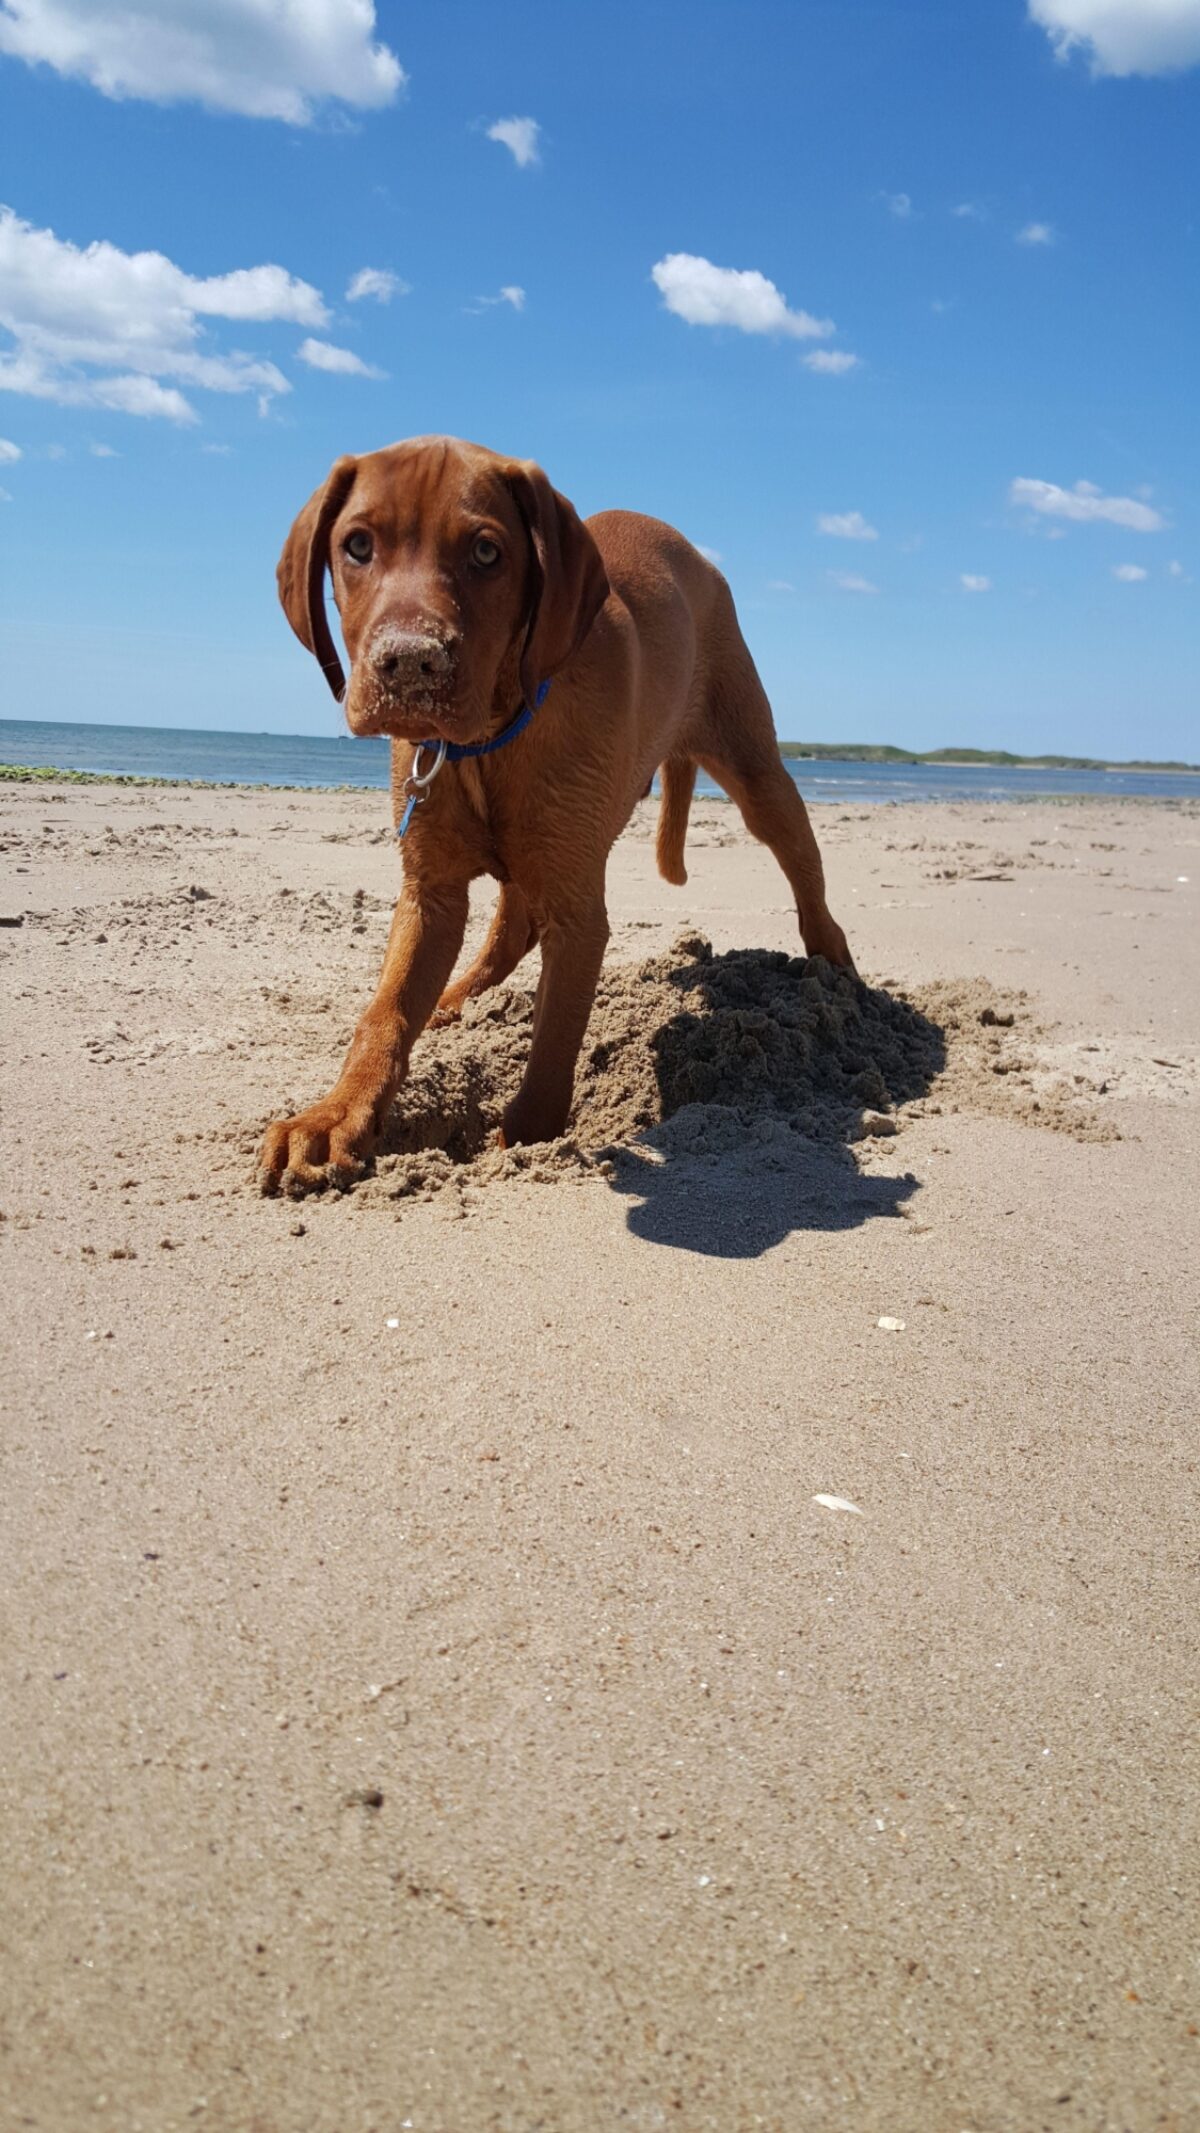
column 452, row 567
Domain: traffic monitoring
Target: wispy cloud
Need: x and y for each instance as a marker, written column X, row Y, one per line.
column 323, row 355
column 711, row 555
column 831, row 362
column 103, row 451
column 520, row 136
column 511, row 294
column 898, row 204
column 9, row 452
column 973, row 584
column 377, row 282
column 1085, row 505
column 705, row 295
column 262, row 61
column 846, row 526
column 1129, row 573
column 1123, row 36
column 1037, row 233
column 968, row 211
column 848, row 581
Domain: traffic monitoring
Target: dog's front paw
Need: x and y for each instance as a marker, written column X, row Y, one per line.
column 327, row 1145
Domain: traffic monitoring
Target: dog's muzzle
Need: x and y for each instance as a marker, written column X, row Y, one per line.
column 414, row 663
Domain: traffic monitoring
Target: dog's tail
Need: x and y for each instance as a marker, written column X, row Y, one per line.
column 678, row 775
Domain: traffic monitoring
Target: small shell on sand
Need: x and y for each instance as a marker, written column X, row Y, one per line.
column 838, row 1503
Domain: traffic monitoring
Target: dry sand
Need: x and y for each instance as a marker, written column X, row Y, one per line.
column 436, row 1695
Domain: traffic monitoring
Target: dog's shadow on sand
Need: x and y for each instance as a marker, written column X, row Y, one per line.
column 738, row 1207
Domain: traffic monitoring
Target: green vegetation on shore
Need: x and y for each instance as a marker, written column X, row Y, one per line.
column 46, row 774
column 37, row 773
column 871, row 752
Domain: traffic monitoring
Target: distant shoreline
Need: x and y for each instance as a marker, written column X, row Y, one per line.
column 968, row 758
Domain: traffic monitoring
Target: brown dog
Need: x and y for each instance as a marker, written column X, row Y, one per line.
column 464, row 582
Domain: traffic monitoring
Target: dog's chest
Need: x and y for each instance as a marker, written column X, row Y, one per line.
column 483, row 822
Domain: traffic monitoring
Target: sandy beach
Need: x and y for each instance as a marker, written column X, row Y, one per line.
column 436, row 1693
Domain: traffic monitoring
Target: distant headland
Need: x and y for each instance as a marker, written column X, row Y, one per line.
column 880, row 752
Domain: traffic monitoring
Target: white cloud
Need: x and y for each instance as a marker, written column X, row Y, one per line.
column 378, row 282
column 711, row 555
column 1176, row 570
column 6, row 496
column 705, row 295
column 833, row 362
column 1086, row 505
column 101, row 327
column 967, row 211
column 780, row 585
column 1124, row 36
column 972, row 584
column 847, row 582
column 9, row 452
column 846, row 526
column 1129, row 573
column 898, row 204
column 262, row 58
column 520, row 137
column 218, row 451
column 511, row 294
column 1036, row 233
column 103, row 451
column 322, row 355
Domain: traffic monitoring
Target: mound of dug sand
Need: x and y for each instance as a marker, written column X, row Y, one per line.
column 755, row 1048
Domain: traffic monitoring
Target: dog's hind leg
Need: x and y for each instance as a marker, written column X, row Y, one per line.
column 741, row 752
column 511, row 935
column 678, row 775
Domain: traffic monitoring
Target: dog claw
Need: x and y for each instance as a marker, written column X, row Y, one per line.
column 341, row 1176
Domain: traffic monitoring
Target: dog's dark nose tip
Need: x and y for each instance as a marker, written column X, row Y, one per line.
column 404, row 657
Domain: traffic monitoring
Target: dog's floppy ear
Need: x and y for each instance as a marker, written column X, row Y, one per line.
column 568, row 584
column 302, row 566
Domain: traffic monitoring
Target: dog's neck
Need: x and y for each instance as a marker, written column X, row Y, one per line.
column 506, row 695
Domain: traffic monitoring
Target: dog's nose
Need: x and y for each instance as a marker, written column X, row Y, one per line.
column 410, row 659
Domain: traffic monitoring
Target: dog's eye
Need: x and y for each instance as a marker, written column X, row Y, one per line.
column 485, row 552
column 359, row 547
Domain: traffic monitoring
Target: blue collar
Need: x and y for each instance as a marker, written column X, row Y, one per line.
column 416, row 785
column 457, row 754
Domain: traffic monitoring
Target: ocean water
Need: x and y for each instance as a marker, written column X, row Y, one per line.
column 298, row 759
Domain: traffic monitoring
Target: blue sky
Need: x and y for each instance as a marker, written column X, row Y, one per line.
column 996, row 215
